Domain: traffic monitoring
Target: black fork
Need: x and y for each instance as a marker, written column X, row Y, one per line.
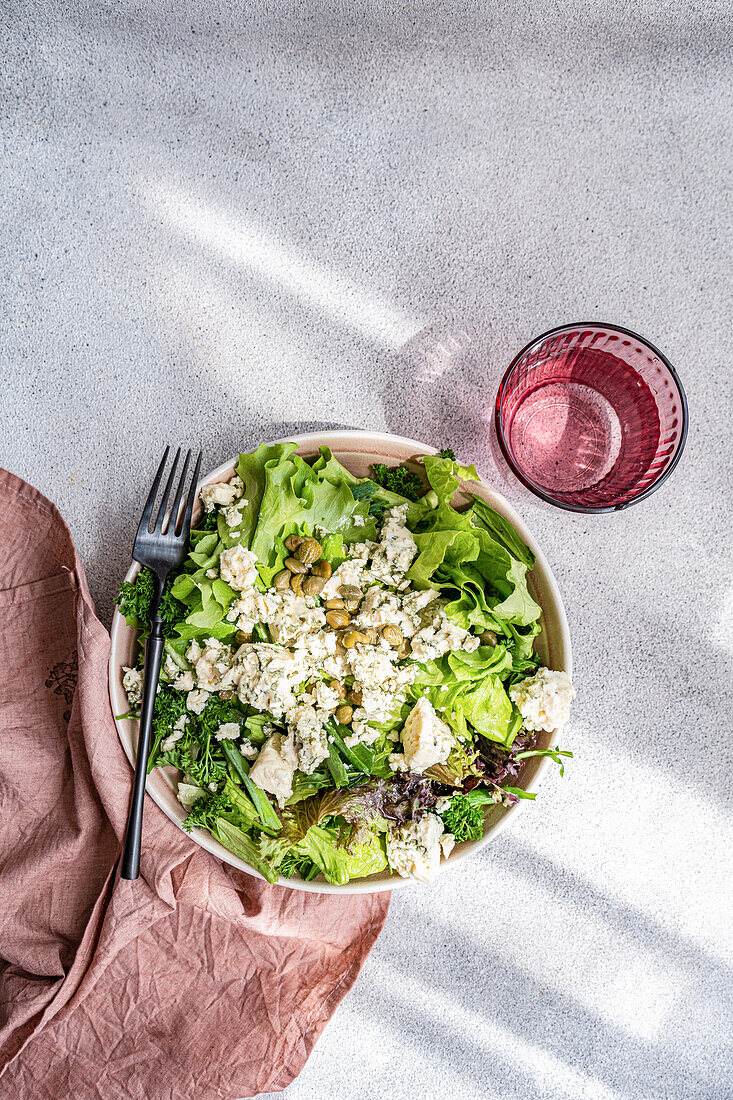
column 160, row 545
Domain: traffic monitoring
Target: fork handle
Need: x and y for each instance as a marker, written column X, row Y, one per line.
column 153, row 658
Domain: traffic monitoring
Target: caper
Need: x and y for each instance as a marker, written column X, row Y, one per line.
column 295, row 566
column 282, row 579
column 334, row 604
column 344, row 714
column 322, row 568
column 339, row 688
column 312, row 586
column 351, row 596
column 227, row 695
column 296, row 583
column 337, row 619
column 292, row 542
column 370, row 634
column 350, row 638
column 241, row 636
column 355, row 697
column 309, row 551
column 392, row 635
column 488, row 638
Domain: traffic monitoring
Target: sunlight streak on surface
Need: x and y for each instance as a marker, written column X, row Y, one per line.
column 642, row 860
column 554, row 1077
column 628, row 984
column 232, row 238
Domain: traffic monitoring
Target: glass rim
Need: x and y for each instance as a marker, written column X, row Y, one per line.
column 547, row 497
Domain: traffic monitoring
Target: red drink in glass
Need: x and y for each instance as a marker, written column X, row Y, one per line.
column 591, row 417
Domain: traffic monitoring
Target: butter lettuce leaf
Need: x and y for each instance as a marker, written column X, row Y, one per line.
column 466, row 690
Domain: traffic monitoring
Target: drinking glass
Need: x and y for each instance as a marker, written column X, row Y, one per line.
column 591, row 417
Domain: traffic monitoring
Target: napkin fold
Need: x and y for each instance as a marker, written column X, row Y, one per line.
column 195, row 981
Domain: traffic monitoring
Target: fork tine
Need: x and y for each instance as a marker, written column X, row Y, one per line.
column 173, row 523
column 166, row 494
column 190, row 499
column 148, row 509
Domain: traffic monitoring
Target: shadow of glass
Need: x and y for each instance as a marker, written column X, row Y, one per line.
column 445, row 380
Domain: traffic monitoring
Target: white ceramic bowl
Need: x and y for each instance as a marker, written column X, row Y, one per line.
column 358, row 450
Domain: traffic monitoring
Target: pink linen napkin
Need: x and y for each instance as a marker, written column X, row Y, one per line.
column 195, row 981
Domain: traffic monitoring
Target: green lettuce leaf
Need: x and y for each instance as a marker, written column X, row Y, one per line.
column 241, row 844
column 252, row 468
column 297, row 497
column 321, row 845
column 501, row 531
column 466, row 690
column 488, row 708
column 366, row 858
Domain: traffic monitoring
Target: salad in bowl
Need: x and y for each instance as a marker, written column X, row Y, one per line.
column 351, row 681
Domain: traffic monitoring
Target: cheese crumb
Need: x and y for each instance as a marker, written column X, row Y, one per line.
column 427, row 740
column 197, row 700
column 228, row 731
column 132, row 682
column 274, row 767
column 223, row 493
column 544, row 699
column 238, row 567
column 414, row 850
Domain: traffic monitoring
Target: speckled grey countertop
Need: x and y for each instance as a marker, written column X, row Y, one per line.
column 234, row 222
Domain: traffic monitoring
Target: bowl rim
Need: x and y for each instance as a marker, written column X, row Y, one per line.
column 127, row 728
column 548, row 497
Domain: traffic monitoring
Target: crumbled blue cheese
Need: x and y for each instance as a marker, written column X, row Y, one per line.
column 214, row 666
column 178, row 731
column 396, row 551
column 414, row 850
column 383, row 685
column 238, row 567
column 228, row 731
column 385, row 562
column 382, row 607
column 266, row 676
column 233, row 514
column 293, row 617
column 351, row 573
column 275, row 766
column 197, row 700
column 289, row 617
column 252, row 607
column 223, row 493
column 306, row 723
column 184, row 682
column 426, row 739
column 439, row 635
column 544, row 699
column 170, row 668
column 324, row 697
column 132, row 682
column 361, row 552
column 247, row 749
